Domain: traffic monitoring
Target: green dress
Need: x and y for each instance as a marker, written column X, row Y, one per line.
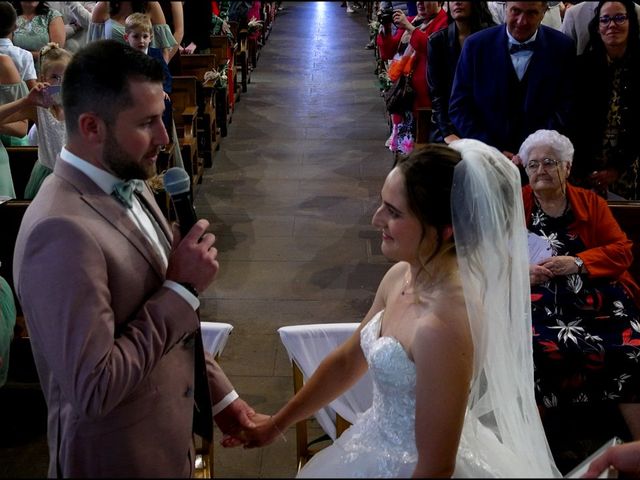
column 33, row 34
column 113, row 30
column 8, row 93
column 7, row 322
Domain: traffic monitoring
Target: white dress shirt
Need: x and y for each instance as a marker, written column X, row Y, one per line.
column 521, row 59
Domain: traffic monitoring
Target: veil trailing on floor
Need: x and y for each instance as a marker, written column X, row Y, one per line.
column 502, row 428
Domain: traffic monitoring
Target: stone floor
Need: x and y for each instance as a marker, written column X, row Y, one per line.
column 290, row 198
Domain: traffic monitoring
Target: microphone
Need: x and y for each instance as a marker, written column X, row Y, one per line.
column 178, row 185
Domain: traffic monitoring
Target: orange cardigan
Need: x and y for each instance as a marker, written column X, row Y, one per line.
column 608, row 249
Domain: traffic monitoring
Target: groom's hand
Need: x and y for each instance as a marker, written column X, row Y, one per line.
column 233, row 420
column 264, row 432
column 243, row 436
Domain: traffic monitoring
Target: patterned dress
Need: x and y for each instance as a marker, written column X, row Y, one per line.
column 586, row 332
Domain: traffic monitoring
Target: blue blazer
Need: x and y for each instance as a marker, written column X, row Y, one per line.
column 479, row 99
column 168, row 79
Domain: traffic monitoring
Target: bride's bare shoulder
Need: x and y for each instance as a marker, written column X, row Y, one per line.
column 444, row 322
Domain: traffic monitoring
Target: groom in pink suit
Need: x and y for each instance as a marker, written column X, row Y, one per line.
column 109, row 291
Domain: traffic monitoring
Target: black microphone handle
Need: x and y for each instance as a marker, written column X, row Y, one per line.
column 185, row 212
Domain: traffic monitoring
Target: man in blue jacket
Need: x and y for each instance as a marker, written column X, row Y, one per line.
column 513, row 79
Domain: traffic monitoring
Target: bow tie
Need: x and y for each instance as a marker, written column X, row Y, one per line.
column 519, row 47
column 123, row 191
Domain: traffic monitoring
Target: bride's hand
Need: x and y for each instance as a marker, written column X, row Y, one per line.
column 264, row 432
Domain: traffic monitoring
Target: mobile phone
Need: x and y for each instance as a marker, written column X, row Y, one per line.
column 53, row 92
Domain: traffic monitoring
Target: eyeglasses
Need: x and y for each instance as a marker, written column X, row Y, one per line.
column 547, row 164
column 618, row 19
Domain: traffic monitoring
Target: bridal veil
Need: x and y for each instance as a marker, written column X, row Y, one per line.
column 502, row 432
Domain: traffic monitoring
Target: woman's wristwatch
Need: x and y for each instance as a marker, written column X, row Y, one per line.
column 579, row 263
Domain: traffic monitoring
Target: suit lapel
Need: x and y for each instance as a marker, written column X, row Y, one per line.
column 113, row 212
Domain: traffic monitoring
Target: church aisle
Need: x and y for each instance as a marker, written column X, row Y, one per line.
column 290, row 198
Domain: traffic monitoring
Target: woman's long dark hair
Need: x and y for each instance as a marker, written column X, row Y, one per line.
column 480, row 18
column 595, row 41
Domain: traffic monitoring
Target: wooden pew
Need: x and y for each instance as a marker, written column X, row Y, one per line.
column 225, row 98
column 185, row 111
column 197, row 65
column 627, row 213
column 21, row 162
column 241, row 54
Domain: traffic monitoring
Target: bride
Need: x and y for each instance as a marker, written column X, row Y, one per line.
column 448, row 337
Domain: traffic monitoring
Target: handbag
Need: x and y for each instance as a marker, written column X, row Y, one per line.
column 399, row 98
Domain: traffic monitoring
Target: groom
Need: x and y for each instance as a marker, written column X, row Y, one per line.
column 110, row 293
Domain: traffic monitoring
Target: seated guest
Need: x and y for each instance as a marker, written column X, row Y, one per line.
column 443, row 50
column 45, row 111
column 586, row 330
column 107, row 22
column 21, row 57
column 76, row 17
column 36, row 26
column 608, row 103
column 576, row 22
column 11, row 88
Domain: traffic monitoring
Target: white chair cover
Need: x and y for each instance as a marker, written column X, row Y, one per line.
column 215, row 336
column 307, row 345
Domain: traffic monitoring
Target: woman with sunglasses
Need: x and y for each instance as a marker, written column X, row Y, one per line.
column 584, row 303
column 608, row 103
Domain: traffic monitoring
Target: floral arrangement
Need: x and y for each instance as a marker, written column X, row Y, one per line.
column 384, row 80
column 374, row 27
column 218, row 77
column 254, row 25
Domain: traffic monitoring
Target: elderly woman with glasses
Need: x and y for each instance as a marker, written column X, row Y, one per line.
column 608, row 103
column 584, row 303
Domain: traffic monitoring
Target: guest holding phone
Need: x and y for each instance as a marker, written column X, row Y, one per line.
column 43, row 107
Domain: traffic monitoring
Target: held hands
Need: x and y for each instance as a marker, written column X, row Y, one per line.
column 234, row 420
column 188, row 50
column 193, row 259
column 552, row 267
column 263, row 432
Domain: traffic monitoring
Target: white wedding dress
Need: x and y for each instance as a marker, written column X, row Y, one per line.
column 382, row 442
column 502, row 435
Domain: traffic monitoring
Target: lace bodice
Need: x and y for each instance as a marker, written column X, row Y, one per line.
column 394, row 385
column 381, row 443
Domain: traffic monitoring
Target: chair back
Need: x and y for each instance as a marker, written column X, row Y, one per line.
column 307, row 346
column 215, row 336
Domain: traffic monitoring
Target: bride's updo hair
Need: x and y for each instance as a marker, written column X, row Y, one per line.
column 428, row 175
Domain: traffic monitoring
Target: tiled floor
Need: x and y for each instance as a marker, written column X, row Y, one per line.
column 290, row 198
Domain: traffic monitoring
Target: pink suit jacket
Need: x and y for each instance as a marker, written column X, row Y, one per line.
column 112, row 346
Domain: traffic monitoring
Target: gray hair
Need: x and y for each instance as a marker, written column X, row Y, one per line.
column 560, row 144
